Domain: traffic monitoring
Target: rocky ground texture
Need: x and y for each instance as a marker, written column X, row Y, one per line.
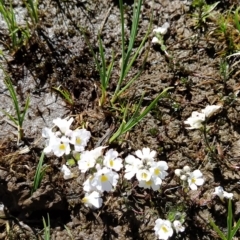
column 196, row 65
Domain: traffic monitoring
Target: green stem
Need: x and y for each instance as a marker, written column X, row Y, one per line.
column 207, row 141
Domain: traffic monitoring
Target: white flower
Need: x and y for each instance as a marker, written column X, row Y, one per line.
column 132, row 166
column 163, row 29
column 143, row 175
column 97, row 152
column 61, row 146
column 158, row 169
column 88, row 159
column 146, row 155
column 105, row 179
column 210, row 110
column 49, row 144
column 152, row 183
column 79, row 138
column 67, row 174
column 222, row 194
column 92, row 200
column 86, row 162
column 178, row 226
column 63, row 125
column 163, row 229
column 47, row 132
column 112, row 161
column 87, row 185
column 50, row 139
column 195, row 121
column 195, row 179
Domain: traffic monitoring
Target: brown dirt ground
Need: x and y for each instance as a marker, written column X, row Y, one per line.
column 57, row 54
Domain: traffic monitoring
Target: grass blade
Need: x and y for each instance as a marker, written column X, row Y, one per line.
column 65, row 94
column 236, row 19
column 122, row 34
column 11, row 118
column 146, row 110
column 24, row 110
column 40, row 171
column 69, row 232
column 136, row 118
column 13, row 95
column 32, row 7
column 18, row 121
column 229, row 219
column 47, row 231
column 235, row 229
column 217, row 230
column 133, row 33
column 103, row 68
column 131, row 81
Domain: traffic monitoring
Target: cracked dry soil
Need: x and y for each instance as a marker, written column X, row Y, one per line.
column 57, row 54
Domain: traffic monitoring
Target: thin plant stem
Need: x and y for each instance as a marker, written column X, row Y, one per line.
column 209, row 147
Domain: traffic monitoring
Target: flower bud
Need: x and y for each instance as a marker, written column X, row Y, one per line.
column 183, row 177
column 178, row 172
column 186, row 169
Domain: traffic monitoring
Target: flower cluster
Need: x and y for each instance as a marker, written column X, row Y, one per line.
column 61, row 142
column 103, row 169
column 164, row 228
column 190, row 179
column 104, row 175
column 149, row 173
column 159, row 32
column 196, row 119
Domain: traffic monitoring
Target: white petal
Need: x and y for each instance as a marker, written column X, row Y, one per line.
column 146, row 151
column 163, row 165
column 199, row 181
column 139, row 154
column 193, row 186
column 163, row 29
column 129, row 175
column 227, row 195
column 197, row 173
column 130, row 159
column 156, row 40
column 210, row 110
column 97, row 203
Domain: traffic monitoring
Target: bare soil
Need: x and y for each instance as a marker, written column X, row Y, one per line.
column 57, row 54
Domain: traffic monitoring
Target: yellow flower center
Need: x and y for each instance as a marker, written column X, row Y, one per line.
column 144, row 175
column 111, row 163
column 62, row 147
column 193, row 180
column 164, row 229
column 156, row 171
column 78, row 140
column 149, row 183
column 104, row 178
column 84, row 200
